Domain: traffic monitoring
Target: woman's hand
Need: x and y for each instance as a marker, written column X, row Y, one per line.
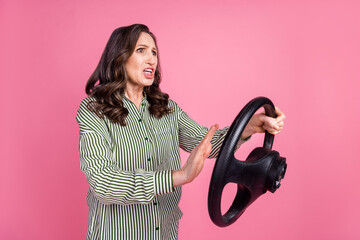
column 195, row 162
column 260, row 122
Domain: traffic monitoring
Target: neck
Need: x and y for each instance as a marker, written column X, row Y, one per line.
column 134, row 94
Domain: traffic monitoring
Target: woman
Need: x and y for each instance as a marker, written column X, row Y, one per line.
column 130, row 134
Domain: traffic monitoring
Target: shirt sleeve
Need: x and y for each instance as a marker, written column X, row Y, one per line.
column 191, row 133
column 110, row 184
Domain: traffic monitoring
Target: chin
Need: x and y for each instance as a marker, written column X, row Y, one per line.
column 148, row 83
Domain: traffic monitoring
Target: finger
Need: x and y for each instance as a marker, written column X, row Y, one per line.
column 271, row 129
column 274, row 132
column 207, row 151
column 280, row 115
column 270, row 123
column 210, row 134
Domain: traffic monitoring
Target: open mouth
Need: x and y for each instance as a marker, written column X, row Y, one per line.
column 149, row 72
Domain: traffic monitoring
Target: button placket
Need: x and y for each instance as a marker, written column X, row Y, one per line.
column 157, row 218
column 148, row 137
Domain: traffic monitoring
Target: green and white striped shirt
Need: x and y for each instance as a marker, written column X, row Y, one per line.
column 129, row 170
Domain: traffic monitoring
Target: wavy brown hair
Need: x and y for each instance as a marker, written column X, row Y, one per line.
column 108, row 81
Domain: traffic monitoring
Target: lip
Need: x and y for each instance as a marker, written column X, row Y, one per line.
column 149, row 75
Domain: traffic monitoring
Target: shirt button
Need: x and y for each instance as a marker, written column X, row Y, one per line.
column 140, row 120
column 155, row 203
column 146, row 138
column 157, row 228
column 149, row 159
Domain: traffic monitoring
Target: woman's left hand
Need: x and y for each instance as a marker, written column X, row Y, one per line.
column 260, row 122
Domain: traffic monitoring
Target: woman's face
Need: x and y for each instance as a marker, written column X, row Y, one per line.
column 141, row 65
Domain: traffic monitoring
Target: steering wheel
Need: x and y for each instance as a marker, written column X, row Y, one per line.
column 262, row 170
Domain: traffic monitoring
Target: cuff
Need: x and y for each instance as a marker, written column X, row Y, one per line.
column 163, row 182
column 241, row 141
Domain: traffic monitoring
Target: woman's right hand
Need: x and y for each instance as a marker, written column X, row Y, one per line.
column 195, row 162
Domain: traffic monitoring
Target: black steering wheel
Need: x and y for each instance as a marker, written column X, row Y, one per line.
column 262, row 170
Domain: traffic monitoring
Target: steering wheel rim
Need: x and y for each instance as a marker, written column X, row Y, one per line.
column 226, row 164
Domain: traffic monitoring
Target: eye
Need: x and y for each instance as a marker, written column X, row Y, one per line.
column 140, row 50
column 154, row 53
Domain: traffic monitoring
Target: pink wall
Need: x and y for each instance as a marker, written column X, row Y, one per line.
column 216, row 56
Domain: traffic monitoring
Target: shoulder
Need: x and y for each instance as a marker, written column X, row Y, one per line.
column 174, row 106
column 83, row 108
column 85, row 115
column 86, row 101
column 89, row 122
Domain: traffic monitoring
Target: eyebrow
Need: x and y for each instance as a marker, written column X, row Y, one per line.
column 143, row 45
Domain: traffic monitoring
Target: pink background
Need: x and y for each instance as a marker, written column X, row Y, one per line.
column 216, row 56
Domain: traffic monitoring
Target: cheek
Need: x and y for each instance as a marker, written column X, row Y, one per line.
column 128, row 67
column 131, row 69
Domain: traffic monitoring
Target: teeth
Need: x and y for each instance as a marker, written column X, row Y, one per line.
column 148, row 70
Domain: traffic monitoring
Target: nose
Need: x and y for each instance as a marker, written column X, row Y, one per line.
column 151, row 59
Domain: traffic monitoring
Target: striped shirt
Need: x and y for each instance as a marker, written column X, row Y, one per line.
column 129, row 170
